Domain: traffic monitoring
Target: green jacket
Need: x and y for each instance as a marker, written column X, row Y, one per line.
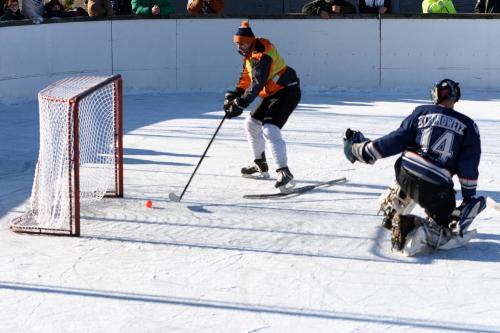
column 143, row 7
column 438, row 7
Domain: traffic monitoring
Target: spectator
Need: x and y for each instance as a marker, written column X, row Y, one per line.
column 33, row 9
column 124, row 7
column 375, row 6
column 99, row 8
column 205, row 6
column 487, row 6
column 114, row 6
column 326, row 8
column 12, row 12
column 2, row 4
column 152, row 7
column 54, row 9
column 78, row 11
column 438, row 7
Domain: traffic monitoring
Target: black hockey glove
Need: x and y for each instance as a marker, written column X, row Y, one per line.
column 234, row 109
column 230, row 96
column 354, row 145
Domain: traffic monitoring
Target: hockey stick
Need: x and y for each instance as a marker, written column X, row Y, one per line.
column 295, row 191
column 172, row 196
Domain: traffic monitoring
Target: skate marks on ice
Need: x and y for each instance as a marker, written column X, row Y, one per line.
column 300, row 230
column 374, row 320
column 324, row 234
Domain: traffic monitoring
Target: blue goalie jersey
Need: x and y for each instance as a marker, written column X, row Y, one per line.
column 436, row 143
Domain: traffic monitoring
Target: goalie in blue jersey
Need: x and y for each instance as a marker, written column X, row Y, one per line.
column 435, row 142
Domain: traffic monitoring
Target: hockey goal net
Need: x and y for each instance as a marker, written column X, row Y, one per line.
column 80, row 158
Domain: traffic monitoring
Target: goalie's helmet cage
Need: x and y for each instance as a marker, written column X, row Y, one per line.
column 80, row 158
column 445, row 89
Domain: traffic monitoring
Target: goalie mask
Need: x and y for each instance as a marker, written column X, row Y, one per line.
column 445, row 89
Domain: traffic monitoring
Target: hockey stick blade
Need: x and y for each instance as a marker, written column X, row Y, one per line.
column 173, row 197
column 490, row 202
column 296, row 190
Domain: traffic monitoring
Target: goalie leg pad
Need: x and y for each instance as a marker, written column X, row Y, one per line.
column 394, row 201
column 402, row 225
column 435, row 234
column 428, row 236
column 469, row 212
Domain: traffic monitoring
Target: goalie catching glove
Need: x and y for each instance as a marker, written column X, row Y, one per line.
column 354, row 147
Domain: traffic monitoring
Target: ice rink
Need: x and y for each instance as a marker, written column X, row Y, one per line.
column 215, row 262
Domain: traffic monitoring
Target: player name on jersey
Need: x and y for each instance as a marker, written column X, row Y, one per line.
column 443, row 121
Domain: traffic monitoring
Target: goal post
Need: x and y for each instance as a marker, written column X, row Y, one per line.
column 80, row 158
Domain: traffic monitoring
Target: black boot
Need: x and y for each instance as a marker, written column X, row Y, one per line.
column 285, row 179
column 258, row 169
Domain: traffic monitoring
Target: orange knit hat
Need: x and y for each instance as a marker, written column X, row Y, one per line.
column 244, row 33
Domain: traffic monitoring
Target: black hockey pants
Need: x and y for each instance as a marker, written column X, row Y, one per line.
column 437, row 200
column 276, row 108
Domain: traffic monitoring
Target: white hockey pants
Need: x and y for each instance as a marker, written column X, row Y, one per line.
column 258, row 135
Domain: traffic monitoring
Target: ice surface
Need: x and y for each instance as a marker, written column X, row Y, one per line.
column 216, row 262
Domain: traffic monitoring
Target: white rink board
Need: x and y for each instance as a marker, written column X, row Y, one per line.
column 36, row 55
column 207, row 57
column 327, row 54
column 174, row 55
column 144, row 53
column 465, row 50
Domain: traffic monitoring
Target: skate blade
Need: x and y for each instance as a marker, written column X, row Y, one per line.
column 262, row 175
column 287, row 187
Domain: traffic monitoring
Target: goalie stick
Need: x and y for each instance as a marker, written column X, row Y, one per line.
column 296, row 190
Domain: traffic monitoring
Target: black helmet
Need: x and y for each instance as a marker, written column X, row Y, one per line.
column 445, row 89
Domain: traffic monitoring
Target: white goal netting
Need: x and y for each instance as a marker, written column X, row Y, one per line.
column 79, row 159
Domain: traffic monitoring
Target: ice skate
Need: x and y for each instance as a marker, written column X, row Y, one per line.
column 285, row 180
column 259, row 169
column 394, row 201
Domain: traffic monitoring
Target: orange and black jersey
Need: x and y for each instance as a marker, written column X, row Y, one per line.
column 264, row 72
